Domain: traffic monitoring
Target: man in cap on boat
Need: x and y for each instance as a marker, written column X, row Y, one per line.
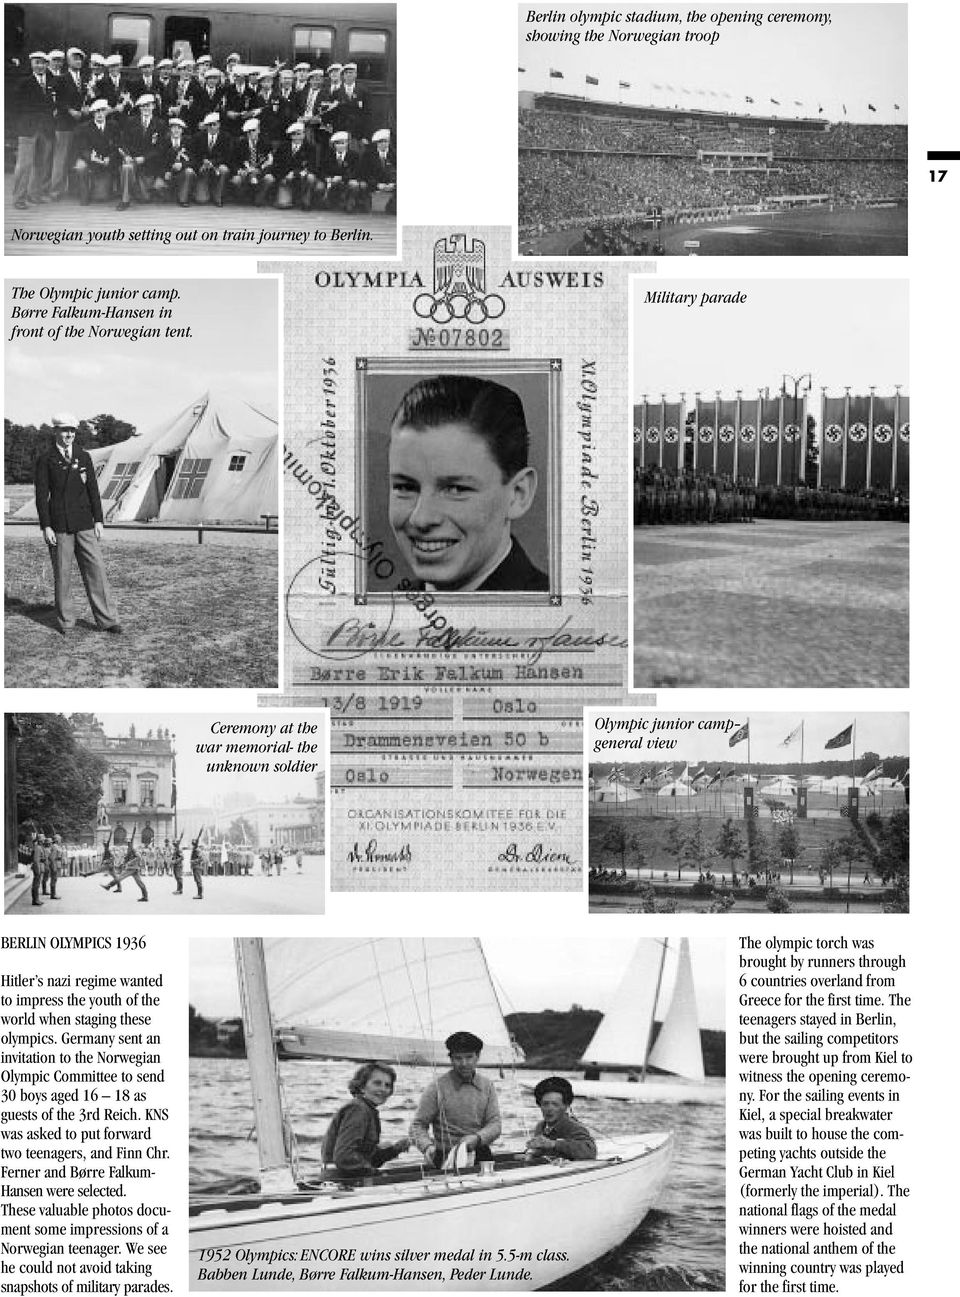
column 458, row 1108
column 71, row 519
column 559, row 1134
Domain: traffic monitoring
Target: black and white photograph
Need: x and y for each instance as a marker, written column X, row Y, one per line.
column 186, row 814
column 776, row 812
column 761, row 130
column 141, row 439
column 458, row 478
column 222, row 128
column 771, row 483
column 450, row 1112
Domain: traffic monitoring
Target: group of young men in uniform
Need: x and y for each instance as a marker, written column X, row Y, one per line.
column 291, row 136
column 135, row 864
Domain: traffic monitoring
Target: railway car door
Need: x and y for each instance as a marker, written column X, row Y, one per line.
column 186, row 36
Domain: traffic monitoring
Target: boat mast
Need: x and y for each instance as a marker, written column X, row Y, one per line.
column 653, row 1013
column 275, row 1173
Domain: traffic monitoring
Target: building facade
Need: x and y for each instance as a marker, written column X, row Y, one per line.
column 138, row 786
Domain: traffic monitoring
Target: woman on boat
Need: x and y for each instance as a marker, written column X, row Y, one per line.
column 352, row 1142
column 559, row 1134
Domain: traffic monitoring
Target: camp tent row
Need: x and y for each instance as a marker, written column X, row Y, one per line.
column 214, row 461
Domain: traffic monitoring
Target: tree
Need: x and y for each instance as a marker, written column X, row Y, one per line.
column 647, row 902
column 677, row 845
column 729, row 845
column 241, row 831
column 618, row 840
column 790, row 848
column 696, row 850
column 831, row 859
column 777, row 901
column 58, row 780
column 760, row 856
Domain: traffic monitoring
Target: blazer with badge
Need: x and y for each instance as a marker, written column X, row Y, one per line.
column 33, row 106
column 70, row 96
column 145, row 142
column 99, row 147
column 350, row 114
column 67, row 495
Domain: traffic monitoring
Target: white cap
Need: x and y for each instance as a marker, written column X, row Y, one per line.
column 339, row 137
column 185, row 63
column 39, row 54
column 144, row 100
column 74, row 49
column 56, row 54
column 114, row 61
column 266, row 76
column 211, row 119
column 349, row 67
column 301, row 67
column 204, row 58
column 251, row 123
column 165, row 63
column 146, row 62
column 382, row 134
column 212, row 72
column 296, row 128
column 97, row 60
column 234, row 58
column 334, row 67
column 98, row 105
column 65, row 420
column 177, row 121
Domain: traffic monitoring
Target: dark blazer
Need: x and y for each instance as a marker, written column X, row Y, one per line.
column 67, row 495
column 263, row 154
column 349, row 168
column 285, row 162
column 113, row 93
column 377, row 172
column 68, row 96
column 105, row 143
column 33, row 106
column 516, row 572
column 351, row 113
column 221, row 154
column 145, row 143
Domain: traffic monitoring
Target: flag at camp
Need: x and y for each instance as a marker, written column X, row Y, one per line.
column 775, row 101
column 739, row 735
column 592, row 81
column 875, row 773
column 173, row 786
column 624, row 85
column 871, row 107
column 792, row 736
column 556, row 75
column 841, row 740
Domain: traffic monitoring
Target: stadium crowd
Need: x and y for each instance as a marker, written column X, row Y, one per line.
column 194, row 134
column 575, row 167
column 696, row 496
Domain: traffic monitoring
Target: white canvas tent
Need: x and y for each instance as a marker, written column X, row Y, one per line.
column 214, row 461
column 613, row 790
column 782, row 786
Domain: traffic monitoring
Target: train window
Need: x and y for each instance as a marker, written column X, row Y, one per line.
column 13, row 20
column 186, row 38
column 369, row 51
column 313, row 45
column 129, row 37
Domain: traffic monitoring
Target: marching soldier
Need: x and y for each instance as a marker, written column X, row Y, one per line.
column 197, row 866
column 108, row 866
column 131, row 867
column 178, row 866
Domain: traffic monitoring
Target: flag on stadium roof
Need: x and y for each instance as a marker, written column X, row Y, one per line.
column 742, row 733
column 794, row 734
column 841, row 740
column 555, row 73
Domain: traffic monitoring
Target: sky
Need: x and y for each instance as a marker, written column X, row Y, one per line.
column 859, row 57
column 197, row 788
column 844, row 333
column 886, row 733
column 233, row 349
column 529, row 975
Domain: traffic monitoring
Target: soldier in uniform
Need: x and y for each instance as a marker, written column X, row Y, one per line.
column 131, row 867
column 57, row 861
column 197, row 866
column 36, row 868
column 108, row 866
column 177, row 862
column 253, row 160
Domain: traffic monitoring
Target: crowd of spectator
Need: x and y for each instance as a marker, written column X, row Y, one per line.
column 576, row 167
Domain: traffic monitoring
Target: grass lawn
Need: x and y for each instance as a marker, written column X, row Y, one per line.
column 193, row 618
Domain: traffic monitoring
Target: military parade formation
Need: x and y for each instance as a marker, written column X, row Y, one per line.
column 193, row 134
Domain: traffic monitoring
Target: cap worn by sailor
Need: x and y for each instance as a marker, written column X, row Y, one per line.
column 146, row 62
column 113, row 61
column 99, row 106
column 251, row 124
column 211, row 119
column 554, row 1085
column 65, row 419
column 463, row 1042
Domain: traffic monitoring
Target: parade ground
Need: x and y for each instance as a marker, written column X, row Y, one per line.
column 772, row 604
column 165, row 229
column 288, row 893
column 194, row 615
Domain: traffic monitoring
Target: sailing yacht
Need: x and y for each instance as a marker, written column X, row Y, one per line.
column 566, row 1214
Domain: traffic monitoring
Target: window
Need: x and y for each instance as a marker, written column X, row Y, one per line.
column 148, row 791
column 186, row 38
column 129, row 37
column 13, row 35
column 313, row 45
column 123, row 475
column 118, row 791
column 190, row 479
column 237, row 463
column 369, row 51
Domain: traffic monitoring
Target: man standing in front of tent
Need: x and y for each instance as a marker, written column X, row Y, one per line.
column 71, row 518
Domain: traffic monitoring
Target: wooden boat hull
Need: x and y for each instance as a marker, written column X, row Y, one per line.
column 533, row 1225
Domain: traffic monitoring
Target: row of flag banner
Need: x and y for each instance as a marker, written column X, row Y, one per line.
column 864, row 442
column 758, row 105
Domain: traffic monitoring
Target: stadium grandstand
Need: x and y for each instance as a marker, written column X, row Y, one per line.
column 617, row 179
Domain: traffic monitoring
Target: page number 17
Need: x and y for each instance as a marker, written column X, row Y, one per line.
column 938, row 176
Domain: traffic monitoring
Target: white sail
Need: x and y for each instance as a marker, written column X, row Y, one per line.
column 391, row 998
column 622, row 1038
column 678, row 1049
